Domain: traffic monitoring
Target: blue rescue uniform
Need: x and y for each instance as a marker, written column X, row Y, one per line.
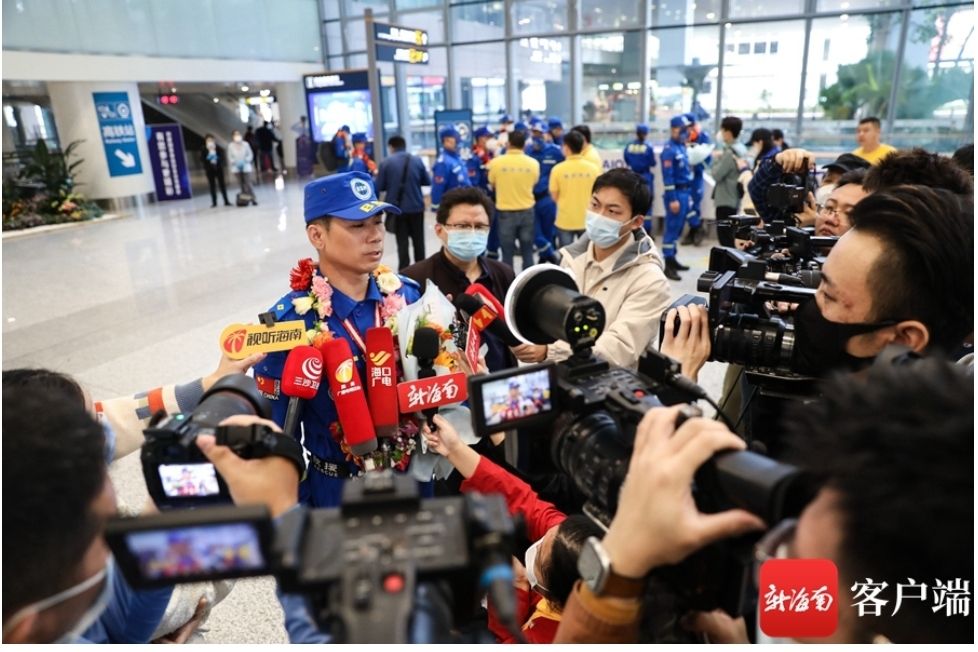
column 676, row 179
column 544, row 210
column 449, row 172
column 323, row 484
column 640, row 158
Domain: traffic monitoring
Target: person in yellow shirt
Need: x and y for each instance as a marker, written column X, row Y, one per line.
column 868, row 136
column 513, row 176
column 590, row 152
column 570, row 187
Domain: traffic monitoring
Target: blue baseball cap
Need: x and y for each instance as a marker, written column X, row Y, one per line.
column 345, row 128
column 359, row 137
column 642, row 128
column 482, row 131
column 691, row 117
column 520, row 126
column 679, row 121
column 348, row 196
column 506, row 118
column 536, row 124
column 555, row 123
column 449, row 132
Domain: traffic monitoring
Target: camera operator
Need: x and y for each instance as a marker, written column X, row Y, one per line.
column 896, row 503
column 550, row 566
column 769, row 170
column 832, row 217
column 618, row 264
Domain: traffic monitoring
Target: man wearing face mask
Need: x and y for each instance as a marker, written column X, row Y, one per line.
column 59, row 580
column 462, row 226
column 616, row 263
column 212, row 158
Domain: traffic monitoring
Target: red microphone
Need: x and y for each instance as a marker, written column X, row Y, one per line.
column 351, row 402
column 300, row 381
column 382, row 381
column 482, row 292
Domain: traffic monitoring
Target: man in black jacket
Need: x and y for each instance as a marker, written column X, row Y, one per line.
column 212, row 157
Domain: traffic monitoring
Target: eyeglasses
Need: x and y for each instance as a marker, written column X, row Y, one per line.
column 834, row 212
column 473, row 228
column 774, row 545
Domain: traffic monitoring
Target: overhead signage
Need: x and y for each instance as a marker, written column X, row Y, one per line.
column 169, row 162
column 118, row 133
column 401, row 44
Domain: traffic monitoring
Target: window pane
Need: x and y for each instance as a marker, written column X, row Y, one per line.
column 663, row 13
column 485, row 21
column 934, row 100
column 762, row 88
column 331, row 9
column 432, row 22
column 426, row 93
column 850, row 5
column 539, row 16
column 356, row 61
column 336, row 63
column 416, row 4
column 481, row 71
column 611, row 14
column 356, row 7
column 850, row 72
column 682, row 71
column 611, row 83
column 334, row 39
column 765, row 8
column 541, row 71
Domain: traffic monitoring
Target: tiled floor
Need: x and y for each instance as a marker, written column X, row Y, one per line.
column 138, row 302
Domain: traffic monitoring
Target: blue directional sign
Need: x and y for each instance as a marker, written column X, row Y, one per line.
column 118, row 133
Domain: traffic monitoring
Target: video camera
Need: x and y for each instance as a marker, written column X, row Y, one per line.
column 789, row 194
column 386, row 567
column 178, row 475
column 784, row 249
column 592, row 410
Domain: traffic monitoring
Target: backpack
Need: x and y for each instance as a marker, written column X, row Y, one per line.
column 327, row 154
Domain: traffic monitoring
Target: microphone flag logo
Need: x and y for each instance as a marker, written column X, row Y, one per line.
column 312, row 369
column 344, row 371
column 380, row 358
column 234, row 341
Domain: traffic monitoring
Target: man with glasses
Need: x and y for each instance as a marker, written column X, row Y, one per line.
column 832, row 218
column 462, row 225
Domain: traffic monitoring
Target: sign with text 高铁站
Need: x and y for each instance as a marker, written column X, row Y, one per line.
column 118, row 133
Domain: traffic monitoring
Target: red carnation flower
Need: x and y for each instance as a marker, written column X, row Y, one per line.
column 300, row 277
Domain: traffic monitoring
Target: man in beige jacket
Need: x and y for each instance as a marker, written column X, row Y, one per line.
column 616, row 263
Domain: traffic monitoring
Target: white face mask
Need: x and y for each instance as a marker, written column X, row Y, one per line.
column 822, row 194
column 603, row 231
column 237, row 138
column 530, row 562
column 91, row 614
column 211, row 144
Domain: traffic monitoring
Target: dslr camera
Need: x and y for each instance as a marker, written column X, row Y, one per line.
column 178, row 475
column 591, row 410
column 789, row 194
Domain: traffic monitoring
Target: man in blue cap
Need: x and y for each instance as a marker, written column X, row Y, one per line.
column 696, row 137
column 478, row 176
column 341, row 294
column 555, row 129
column 360, row 161
column 676, row 179
column 544, row 209
column 449, row 170
column 640, row 157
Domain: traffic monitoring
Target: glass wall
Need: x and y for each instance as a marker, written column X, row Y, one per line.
column 809, row 67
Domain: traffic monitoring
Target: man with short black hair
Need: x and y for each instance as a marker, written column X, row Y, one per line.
column 401, row 176
column 726, row 168
column 589, row 152
column 570, row 187
column 919, row 167
column 832, row 217
column 868, row 137
column 965, row 157
column 512, row 176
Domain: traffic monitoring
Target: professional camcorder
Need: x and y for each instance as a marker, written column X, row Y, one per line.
column 789, row 195
column 386, row 567
column 178, row 475
column 591, row 410
column 784, row 249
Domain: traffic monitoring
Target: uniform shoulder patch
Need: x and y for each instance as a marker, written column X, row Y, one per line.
column 268, row 387
column 410, row 282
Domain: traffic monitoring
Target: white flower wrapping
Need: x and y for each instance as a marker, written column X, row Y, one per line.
column 432, row 309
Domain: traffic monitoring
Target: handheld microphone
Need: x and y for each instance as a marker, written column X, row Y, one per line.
column 486, row 318
column 382, row 381
column 482, row 292
column 301, row 376
column 425, row 349
column 351, row 402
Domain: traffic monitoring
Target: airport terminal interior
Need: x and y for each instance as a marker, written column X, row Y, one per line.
column 122, row 267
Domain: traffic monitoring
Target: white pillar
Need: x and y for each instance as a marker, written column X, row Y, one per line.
column 291, row 98
column 74, row 114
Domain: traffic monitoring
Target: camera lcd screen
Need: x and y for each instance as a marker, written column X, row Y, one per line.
column 189, row 480
column 512, row 399
column 189, row 552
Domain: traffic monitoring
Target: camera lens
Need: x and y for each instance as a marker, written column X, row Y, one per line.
column 753, row 341
column 231, row 395
column 590, row 451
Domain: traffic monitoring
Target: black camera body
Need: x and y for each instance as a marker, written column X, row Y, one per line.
column 790, row 194
column 176, row 472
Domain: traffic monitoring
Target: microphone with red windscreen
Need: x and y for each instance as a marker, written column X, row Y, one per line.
column 348, row 395
column 485, row 317
column 425, row 348
column 382, row 381
column 301, row 376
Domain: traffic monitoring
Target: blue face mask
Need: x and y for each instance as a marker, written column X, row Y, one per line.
column 602, row 230
column 467, row 245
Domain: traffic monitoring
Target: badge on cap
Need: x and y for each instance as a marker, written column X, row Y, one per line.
column 361, row 189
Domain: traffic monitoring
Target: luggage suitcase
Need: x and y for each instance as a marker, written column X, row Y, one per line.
column 244, row 199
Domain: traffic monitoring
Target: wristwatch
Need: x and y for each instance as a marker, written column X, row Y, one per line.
column 594, row 566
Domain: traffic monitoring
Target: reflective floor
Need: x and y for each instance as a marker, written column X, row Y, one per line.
column 138, row 302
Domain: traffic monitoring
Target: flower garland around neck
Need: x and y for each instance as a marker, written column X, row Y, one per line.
column 306, row 276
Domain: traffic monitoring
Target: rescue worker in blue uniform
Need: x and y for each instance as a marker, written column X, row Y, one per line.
column 698, row 137
column 476, row 165
column 359, row 160
column 544, row 209
column 555, row 129
column 676, row 179
column 345, row 224
column 449, row 170
column 640, row 157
